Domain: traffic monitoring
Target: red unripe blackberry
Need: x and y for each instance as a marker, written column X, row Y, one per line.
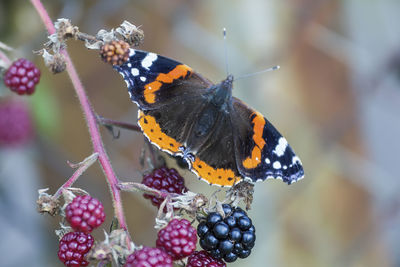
column 149, row 257
column 15, row 123
column 73, row 248
column 22, row 76
column 178, row 239
column 203, row 258
column 164, row 180
column 85, row 213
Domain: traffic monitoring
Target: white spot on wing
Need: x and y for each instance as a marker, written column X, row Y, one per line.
column 143, row 79
column 267, row 161
column 276, row 165
column 129, row 65
column 148, row 60
column 135, row 72
column 281, row 147
column 295, row 160
column 131, row 52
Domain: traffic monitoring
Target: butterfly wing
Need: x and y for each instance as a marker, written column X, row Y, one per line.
column 166, row 92
column 261, row 151
column 222, row 148
column 154, row 80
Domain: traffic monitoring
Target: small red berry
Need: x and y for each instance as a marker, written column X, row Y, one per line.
column 73, row 248
column 85, row 213
column 178, row 239
column 164, row 180
column 149, row 257
column 203, row 258
column 22, row 76
column 15, row 123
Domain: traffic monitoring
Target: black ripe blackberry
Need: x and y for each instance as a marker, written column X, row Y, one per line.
column 228, row 237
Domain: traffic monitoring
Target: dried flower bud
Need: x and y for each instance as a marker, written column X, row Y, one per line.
column 47, row 203
column 55, row 63
column 115, row 52
column 130, row 33
column 114, row 248
column 241, row 191
column 65, row 29
column 58, row 64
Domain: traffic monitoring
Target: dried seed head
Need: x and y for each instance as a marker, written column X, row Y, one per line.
column 115, row 52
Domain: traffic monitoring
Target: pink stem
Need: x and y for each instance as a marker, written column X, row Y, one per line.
column 130, row 186
column 5, row 58
column 90, row 119
column 81, row 169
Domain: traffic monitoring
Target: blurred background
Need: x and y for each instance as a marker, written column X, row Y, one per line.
column 336, row 98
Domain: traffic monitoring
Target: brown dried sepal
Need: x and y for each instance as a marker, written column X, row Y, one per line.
column 65, row 29
column 136, row 38
column 130, row 33
column 242, row 191
column 115, row 52
column 115, row 248
column 197, row 204
column 58, row 64
column 48, row 204
column 199, row 201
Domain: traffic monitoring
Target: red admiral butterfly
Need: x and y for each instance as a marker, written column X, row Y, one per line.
column 222, row 139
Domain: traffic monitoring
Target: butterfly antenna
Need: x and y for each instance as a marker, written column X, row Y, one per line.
column 258, row 72
column 226, row 52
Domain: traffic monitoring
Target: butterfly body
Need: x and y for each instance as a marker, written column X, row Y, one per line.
column 222, row 139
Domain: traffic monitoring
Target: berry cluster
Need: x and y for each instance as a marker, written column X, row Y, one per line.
column 15, row 123
column 84, row 214
column 203, row 258
column 22, row 76
column 164, row 180
column 227, row 237
column 73, row 248
column 149, row 257
column 178, row 239
column 115, row 52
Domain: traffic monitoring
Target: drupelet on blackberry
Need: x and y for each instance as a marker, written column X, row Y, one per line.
column 229, row 237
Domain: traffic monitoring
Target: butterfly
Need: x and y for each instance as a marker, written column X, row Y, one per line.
column 223, row 140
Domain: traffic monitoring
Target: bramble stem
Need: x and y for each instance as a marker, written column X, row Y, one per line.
column 131, row 186
column 4, row 57
column 90, row 117
column 86, row 163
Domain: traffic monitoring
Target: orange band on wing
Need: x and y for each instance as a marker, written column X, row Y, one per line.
column 152, row 130
column 258, row 128
column 150, row 89
column 222, row 177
